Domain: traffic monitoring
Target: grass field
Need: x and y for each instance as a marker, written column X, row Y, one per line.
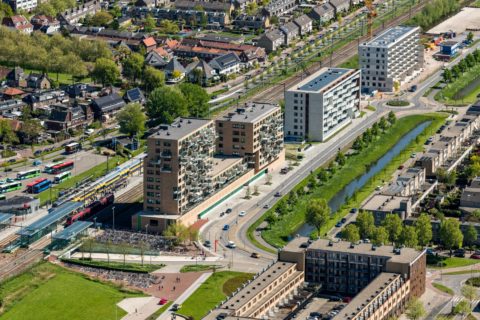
column 63, row 78
column 351, row 63
column 211, row 292
column 198, row 267
column 355, row 166
column 449, row 262
column 448, row 94
column 48, row 292
column 443, row 288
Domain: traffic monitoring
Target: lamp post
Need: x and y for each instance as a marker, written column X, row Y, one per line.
column 113, row 216
column 146, row 228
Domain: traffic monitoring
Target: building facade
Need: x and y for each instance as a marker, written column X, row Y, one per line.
column 323, row 103
column 395, row 55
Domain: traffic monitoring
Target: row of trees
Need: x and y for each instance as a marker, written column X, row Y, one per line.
column 434, row 12
column 470, row 61
column 50, row 53
column 369, row 135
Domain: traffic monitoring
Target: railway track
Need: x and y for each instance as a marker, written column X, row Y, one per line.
column 275, row 92
column 131, row 195
column 6, row 241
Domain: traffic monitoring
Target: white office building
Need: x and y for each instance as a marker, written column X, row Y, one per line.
column 27, row 5
column 394, row 55
column 322, row 104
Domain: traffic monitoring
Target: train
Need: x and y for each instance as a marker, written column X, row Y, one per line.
column 92, row 209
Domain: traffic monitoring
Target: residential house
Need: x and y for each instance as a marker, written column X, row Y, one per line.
column 227, row 64
column 46, row 24
column 304, row 24
column 174, row 71
column 105, row 108
column 146, row 3
column 201, row 72
column 81, row 90
column 16, row 78
column 208, row 6
column 12, row 93
column 470, row 198
column 271, row 40
column 11, row 106
column 340, row 6
column 19, row 23
column 44, row 99
column 279, row 7
column 192, row 18
column 74, row 15
column 149, row 44
column 38, row 81
column 134, row 95
column 154, row 59
column 322, row 13
column 251, row 23
column 64, row 118
column 290, row 32
column 241, row 5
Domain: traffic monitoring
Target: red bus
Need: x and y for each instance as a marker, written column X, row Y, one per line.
column 62, row 167
column 32, row 184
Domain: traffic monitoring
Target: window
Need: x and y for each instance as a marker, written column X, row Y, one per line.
column 153, row 223
column 167, row 144
column 220, row 124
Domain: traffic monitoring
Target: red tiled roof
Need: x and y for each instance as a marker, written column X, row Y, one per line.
column 161, row 52
column 149, row 42
column 13, row 92
column 171, row 43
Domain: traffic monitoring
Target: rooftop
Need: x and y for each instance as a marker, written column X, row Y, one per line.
column 180, row 128
column 389, row 37
column 222, row 163
column 5, row 218
column 406, row 255
column 364, row 297
column 251, row 112
column 323, row 79
column 73, row 230
column 386, row 203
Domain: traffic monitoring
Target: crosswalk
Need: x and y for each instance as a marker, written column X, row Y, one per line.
column 456, row 299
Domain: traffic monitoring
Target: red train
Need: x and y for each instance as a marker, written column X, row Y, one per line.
column 92, row 209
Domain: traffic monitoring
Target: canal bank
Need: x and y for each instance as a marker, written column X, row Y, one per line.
column 354, row 168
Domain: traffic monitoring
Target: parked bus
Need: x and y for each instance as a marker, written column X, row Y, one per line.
column 42, row 186
column 28, row 174
column 62, row 167
column 48, row 167
column 62, row 177
column 3, row 197
column 31, row 184
column 73, row 147
column 9, row 187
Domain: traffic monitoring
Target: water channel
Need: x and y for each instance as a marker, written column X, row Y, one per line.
column 337, row 201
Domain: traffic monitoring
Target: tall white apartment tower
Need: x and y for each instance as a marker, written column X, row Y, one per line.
column 394, row 55
column 320, row 105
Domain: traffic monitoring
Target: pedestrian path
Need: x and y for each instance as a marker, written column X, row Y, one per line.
column 167, row 315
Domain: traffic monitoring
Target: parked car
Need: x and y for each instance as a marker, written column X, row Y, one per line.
column 266, row 206
column 413, row 88
column 343, row 220
column 37, row 162
column 278, row 194
column 339, row 224
column 401, row 167
column 163, row 301
column 255, row 255
column 353, row 210
column 207, row 243
column 459, row 253
column 229, row 210
column 176, row 307
column 242, row 214
column 231, row 245
column 475, row 256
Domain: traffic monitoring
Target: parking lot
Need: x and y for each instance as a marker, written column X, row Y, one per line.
column 319, row 309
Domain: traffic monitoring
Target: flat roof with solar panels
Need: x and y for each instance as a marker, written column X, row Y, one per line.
column 52, row 218
column 323, row 80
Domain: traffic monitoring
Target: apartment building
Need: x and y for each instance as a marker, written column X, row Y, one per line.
column 254, row 132
column 381, row 205
column 407, row 183
column 395, row 55
column 347, row 269
column 26, row 5
column 261, row 294
column 322, row 104
column 192, row 164
column 386, row 296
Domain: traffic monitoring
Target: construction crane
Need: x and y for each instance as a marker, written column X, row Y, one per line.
column 372, row 13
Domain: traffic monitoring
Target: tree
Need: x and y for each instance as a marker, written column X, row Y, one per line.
column 165, row 104
column 391, row 117
column 366, row 224
column 423, row 226
column 30, row 130
column 471, row 236
column 396, row 86
column 132, row 119
column 351, row 233
column 340, row 159
column 169, row 27
column 415, row 310
column 447, row 75
column 318, row 213
column 450, row 234
column 383, row 124
column 470, row 37
column 409, row 236
column 463, row 308
column 152, row 79
column 380, row 236
column 100, row 19
column 271, row 218
column 197, row 99
column 470, row 293
column 322, row 175
column 177, row 231
column 7, row 135
column 133, row 65
column 394, row 225
column 105, row 71
column 124, row 247
column 149, row 24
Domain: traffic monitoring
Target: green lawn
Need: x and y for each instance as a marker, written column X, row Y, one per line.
column 48, row 292
column 63, row 78
column 211, row 292
column 448, row 94
column 446, row 262
column 476, row 4
column 157, row 313
column 443, row 288
column 198, row 267
column 355, row 166
column 351, row 63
